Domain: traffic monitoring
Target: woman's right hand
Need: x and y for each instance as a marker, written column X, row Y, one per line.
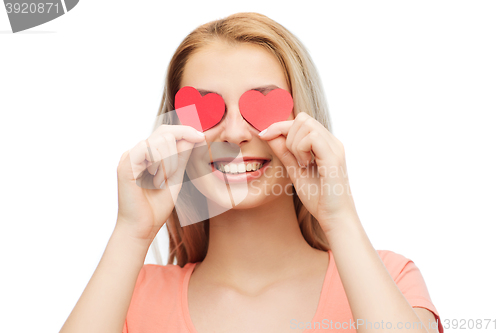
column 142, row 210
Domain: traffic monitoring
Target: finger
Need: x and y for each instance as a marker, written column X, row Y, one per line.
column 180, row 132
column 303, row 150
column 184, row 149
column 153, row 165
column 298, row 124
column 172, row 154
column 171, row 169
column 161, row 174
column 276, row 129
column 307, row 125
column 141, row 156
column 314, row 143
column 161, row 170
column 303, row 156
column 165, row 144
column 155, row 146
column 282, row 153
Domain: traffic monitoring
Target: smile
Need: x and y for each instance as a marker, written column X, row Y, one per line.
column 237, row 168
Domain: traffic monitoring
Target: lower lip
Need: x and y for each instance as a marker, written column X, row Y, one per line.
column 241, row 177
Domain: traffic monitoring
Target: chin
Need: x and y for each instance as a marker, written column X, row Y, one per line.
column 241, row 195
column 253, row 200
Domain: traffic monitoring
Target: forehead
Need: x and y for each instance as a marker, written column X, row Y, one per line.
column 228, row 68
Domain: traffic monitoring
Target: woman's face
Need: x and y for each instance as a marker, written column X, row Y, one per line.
column 230, row 71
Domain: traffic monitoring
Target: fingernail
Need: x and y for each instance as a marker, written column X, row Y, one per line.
column 300, row 165
column 200, row 133
column 263, row 132
column 162, row 186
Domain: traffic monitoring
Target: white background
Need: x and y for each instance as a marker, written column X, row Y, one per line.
column 413, row 90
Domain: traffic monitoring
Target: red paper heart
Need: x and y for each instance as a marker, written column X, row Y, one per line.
column 209, row 108
column 262, row 111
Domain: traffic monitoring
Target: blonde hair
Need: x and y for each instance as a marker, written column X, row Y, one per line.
column 190, row 243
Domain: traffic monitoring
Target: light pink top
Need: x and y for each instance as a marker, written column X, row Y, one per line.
column 159, row 302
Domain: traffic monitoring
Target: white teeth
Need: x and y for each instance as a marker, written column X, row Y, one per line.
column 238, row 168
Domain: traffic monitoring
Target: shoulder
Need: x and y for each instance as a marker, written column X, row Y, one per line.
column 405, row 273
column 411, row 283
column 160, row 279
column 158, row 292
column 392, row 257
column 394, row 262
column 160, row 274
column 158, row 284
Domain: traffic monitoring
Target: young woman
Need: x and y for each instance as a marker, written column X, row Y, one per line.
column 291, row 255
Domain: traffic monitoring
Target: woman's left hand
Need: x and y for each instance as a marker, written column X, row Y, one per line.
column 321, row 181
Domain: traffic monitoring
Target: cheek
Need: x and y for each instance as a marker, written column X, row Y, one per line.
column 196, row 164
column 277, row 173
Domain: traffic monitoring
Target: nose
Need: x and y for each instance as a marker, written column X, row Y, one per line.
column 234, row 128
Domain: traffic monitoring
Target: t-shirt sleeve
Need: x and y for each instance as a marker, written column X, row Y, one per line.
column 410, row 282
column 139, row 281
column 156, row 301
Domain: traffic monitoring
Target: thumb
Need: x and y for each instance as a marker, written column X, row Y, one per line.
column 284, row 155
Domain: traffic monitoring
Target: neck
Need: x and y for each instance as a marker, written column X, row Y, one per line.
column 257, row 245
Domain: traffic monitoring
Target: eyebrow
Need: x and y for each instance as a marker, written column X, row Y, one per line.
column 262, row 89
